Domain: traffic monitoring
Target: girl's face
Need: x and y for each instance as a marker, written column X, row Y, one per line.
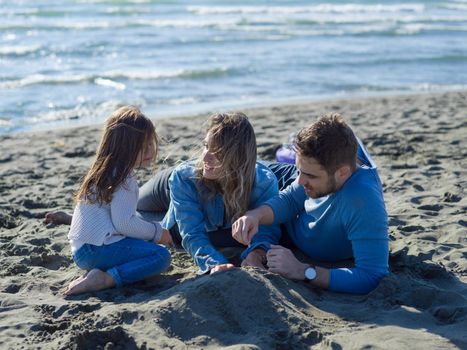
column 146, row 156
column 212, row 168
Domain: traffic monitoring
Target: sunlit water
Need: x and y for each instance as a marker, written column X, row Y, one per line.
column 65, row 63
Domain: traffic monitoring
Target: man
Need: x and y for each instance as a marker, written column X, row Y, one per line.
column 333, row 211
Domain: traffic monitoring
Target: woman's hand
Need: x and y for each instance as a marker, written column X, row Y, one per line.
column 222, row 267
column 166, row 238
column 256, row 258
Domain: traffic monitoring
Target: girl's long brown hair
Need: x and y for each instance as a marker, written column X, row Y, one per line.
column 233, row 142
column 126, row 133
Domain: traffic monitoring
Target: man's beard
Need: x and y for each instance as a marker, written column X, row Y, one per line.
column 331, row 187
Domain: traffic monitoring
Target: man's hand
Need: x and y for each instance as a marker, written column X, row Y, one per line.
column 256, row 258
column 282, row 261
column 245, row 227
column 221, row 267
column 166, row 238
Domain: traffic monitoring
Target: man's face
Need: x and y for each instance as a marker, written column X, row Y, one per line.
column 314, row 178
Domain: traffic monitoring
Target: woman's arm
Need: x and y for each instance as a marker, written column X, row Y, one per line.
column 189, row 216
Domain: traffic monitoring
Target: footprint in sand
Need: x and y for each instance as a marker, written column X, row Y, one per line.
column 49, row 260
column 411, row 228
column 7, row 221
column 36, row 204
column 445, row 305
column 12, row 288
column 105, row 339
column 431, row 207
column 451, row 198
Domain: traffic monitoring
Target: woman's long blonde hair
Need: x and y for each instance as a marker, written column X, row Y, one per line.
column 233, row 142
column 127, row 132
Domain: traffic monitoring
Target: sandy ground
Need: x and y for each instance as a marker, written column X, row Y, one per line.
column 419, row 143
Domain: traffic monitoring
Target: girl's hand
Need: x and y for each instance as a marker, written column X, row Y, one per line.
column 222, row 267
column 166, row 238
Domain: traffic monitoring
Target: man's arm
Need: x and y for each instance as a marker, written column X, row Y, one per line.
column 279, row 209
column 245, row 227
column 282, row 261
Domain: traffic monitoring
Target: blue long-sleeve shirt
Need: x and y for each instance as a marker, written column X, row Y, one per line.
column 350, row 223
column 196, row 215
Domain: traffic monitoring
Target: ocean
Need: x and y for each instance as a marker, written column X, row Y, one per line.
column 69, row 63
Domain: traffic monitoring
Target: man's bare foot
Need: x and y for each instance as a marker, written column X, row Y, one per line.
column 93, row 281
column 58, row 218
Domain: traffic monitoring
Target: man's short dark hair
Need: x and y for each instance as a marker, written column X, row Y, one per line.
column 330, row 141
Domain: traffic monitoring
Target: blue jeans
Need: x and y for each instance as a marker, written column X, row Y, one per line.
column 128, row 260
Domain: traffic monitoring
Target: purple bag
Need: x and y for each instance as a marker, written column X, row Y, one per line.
column 286, row 153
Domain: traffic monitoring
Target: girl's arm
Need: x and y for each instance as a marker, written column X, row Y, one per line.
column 123, row 214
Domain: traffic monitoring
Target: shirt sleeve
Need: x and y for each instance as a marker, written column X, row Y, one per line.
column 123, row 214
column 288, row 203
column 266, row 235
column 366, row 224
column 190, row 219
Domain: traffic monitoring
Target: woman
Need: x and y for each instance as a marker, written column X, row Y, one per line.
column 206, row 195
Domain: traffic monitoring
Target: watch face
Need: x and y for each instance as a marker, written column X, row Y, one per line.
column 310, row 273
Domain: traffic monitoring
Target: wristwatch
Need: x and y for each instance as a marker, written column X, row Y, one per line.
column 310, row 274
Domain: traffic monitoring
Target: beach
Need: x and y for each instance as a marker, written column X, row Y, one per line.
column 417, row 141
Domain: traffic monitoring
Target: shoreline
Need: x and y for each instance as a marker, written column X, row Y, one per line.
column 209, row 108
column 417, row 141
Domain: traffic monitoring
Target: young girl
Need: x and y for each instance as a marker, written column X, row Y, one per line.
column 106, row 236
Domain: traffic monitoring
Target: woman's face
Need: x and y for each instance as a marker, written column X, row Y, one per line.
column 211, row 165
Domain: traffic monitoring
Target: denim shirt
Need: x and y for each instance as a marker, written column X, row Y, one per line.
column 196, row 215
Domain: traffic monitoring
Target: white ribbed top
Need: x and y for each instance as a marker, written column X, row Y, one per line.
column 97, row 224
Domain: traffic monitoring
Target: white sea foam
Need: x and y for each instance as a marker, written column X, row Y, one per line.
column 18, row 50
column 5, row 123
column 462, row 7
column 109, row 83
column 321, row 8
column 181, row 101
column 109, row 78
column 41, row 79
column 437, row 87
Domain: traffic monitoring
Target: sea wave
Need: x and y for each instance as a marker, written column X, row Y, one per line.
column 111, row 78
column 321, row 8
column 264, row 23
column 19, row 50
column 86, row 111
column 462, row 7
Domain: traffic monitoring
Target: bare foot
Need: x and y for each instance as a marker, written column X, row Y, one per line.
column 93, row 281
column 73, row 283
column 58, row 218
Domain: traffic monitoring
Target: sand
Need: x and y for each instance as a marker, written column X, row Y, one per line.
column 419, row 143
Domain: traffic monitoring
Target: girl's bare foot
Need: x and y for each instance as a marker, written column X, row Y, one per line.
column 93, row 281
column 73, row 283
column 58, row 218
